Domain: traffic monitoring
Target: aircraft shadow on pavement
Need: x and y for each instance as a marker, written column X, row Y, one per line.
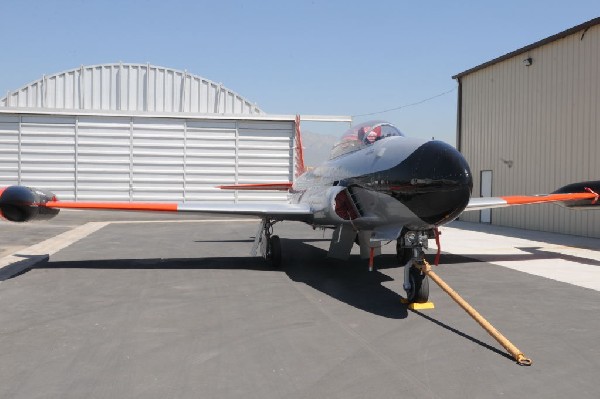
column 462, row 334
column 530, row 253
column 347, row 281
column 251, row 239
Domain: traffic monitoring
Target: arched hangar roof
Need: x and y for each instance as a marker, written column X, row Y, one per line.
column 129, row 87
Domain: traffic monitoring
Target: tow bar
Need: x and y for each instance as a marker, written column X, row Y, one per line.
column 520, row 358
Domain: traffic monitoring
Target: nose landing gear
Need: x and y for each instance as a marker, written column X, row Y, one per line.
column 410, row 253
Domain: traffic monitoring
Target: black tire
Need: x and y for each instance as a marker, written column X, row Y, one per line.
column 403, row 254
column 419, row 291
column 274, row 254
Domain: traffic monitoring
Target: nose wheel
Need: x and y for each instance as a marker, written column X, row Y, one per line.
column 410, row 253
column 418, row 291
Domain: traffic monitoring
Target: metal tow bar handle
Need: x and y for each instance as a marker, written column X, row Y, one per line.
column 520, row 358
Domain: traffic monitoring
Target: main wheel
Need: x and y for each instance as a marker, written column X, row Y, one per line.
column 274, row 251
column 419, row 286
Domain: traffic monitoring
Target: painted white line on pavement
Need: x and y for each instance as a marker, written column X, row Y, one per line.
column 587, row 276
column 24, row 259
column 567, row 264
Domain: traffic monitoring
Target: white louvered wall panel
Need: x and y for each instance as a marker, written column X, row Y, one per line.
column 158, row 159
column 265, row 154
column 139, row 132
column 210, row 159
column 9, row 148
column 103, row 158
column 85, row 157
column 48, row 153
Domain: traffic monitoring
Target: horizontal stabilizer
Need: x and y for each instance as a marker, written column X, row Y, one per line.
column 284, row 186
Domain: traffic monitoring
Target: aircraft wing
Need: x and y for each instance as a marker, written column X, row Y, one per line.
column 577, row 195
column 278, row 211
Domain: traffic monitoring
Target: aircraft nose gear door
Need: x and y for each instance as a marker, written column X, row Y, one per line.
column 269, row 244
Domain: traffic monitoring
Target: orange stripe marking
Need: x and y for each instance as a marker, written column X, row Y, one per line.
column 532, row 199
column 117, row 206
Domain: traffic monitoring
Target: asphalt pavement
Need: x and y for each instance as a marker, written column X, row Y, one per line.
column 178, row 308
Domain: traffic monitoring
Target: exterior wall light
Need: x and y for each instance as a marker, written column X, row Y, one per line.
column 528, row 61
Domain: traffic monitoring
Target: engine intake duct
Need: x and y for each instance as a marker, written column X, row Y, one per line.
column 346, row 205
column 24, row 204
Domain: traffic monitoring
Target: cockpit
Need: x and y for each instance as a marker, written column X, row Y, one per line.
column 364, row 134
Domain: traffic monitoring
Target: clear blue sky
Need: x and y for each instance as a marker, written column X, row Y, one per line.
column 307, row 57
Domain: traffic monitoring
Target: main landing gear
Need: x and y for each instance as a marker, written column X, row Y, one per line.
column 269, row 244
column 410, row 253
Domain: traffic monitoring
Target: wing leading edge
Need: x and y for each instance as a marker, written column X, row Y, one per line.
column 577, row 195
column 279, row 211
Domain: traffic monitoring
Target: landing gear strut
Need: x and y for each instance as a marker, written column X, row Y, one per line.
column 410, row 253
column 269, row 244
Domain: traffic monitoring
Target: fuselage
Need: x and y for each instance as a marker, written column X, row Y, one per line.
column 419, row 184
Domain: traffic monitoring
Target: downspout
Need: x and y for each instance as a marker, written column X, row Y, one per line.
column 459, row 116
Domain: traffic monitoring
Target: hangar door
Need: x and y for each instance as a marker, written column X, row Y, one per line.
column 135, row 158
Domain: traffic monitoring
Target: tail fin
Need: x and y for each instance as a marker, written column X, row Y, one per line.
column 300, row 168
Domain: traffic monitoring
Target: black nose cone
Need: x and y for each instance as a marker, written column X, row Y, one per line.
column 434, row 182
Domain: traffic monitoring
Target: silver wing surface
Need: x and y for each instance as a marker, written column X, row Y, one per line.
column 277, row 211
column 571, row 200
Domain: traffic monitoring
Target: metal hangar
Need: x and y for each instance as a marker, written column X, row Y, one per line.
column 528, row 122
column 140, row 132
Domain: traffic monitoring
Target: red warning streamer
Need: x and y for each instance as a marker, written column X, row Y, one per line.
column 439, row 247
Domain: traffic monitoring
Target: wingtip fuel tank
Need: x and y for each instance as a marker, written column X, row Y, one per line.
column 24, row 204
column 592, row 187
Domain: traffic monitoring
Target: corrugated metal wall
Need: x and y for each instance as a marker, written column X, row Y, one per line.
column 140, row 132
column 129, row 87
column 544, row 119
column 93, row 157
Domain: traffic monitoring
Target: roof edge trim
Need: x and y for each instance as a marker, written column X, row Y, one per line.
column 79, row 91
column 561, row 35
column 177, row 115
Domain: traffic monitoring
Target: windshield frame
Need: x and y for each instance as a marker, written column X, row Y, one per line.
column 350, row 140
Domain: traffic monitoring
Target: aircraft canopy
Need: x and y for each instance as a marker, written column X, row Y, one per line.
column 364, row 134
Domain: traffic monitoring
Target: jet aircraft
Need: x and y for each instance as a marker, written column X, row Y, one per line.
column 378, row 186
